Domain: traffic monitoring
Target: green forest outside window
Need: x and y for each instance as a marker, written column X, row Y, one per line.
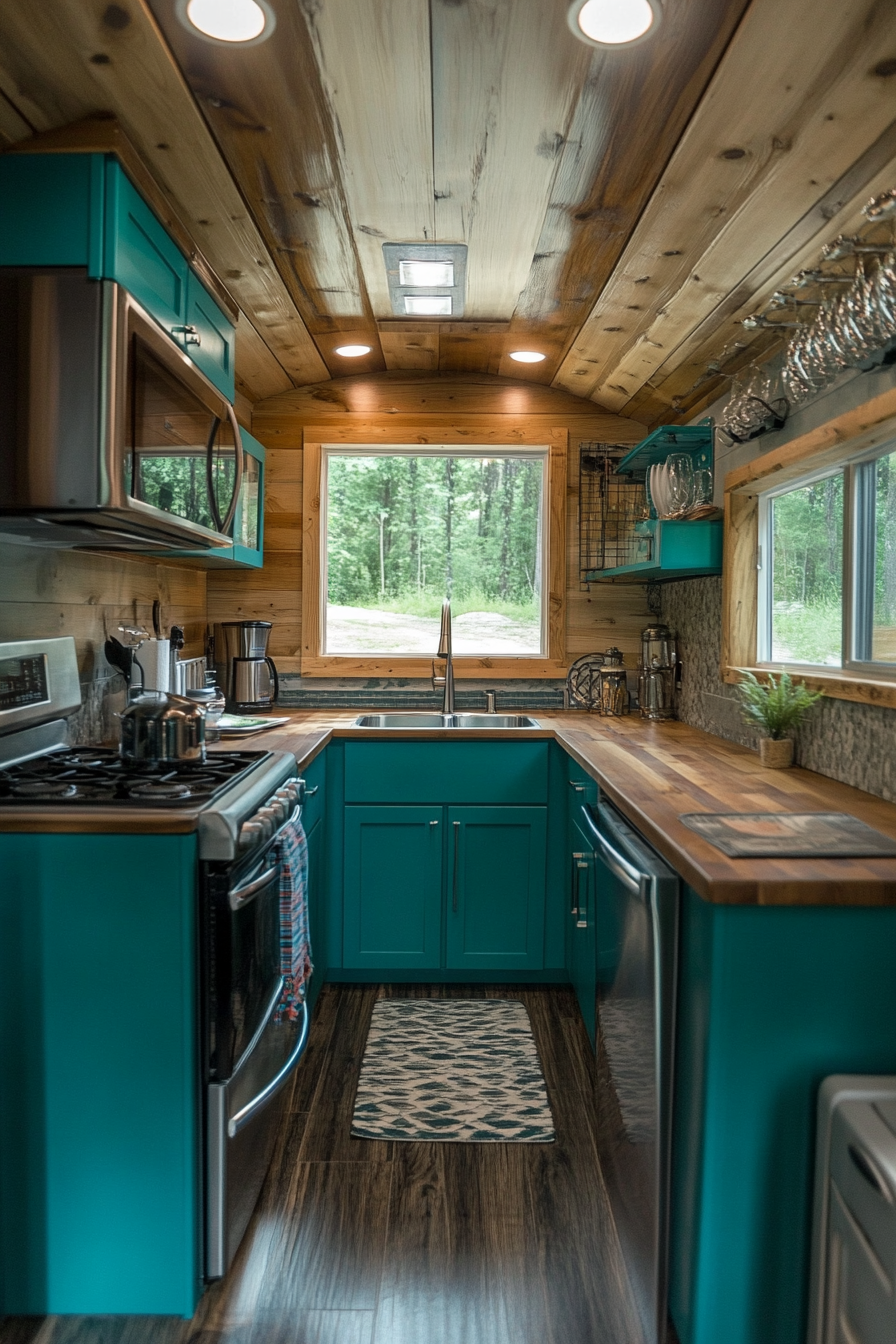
column 405, row 527
column 827, row 569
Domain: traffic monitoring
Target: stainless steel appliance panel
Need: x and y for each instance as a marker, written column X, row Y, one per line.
column 636, row 917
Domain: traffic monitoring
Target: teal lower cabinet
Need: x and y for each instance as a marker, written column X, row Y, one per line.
column 393, row 887
column 496, row 881
column 771, row 1001
column 100, row 1104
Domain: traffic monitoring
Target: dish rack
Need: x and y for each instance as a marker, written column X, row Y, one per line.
column 610, row 507
column 618, row 539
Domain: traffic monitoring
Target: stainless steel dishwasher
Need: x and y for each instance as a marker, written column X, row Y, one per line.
column 636, row 898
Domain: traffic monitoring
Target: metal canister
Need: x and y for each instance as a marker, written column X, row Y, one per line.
column 658, row 647
column 614, row 696
column 657, row 673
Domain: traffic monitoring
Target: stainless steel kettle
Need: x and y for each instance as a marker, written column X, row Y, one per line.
column 162, row 728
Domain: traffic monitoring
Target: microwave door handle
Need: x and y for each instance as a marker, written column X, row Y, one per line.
column 222, row 524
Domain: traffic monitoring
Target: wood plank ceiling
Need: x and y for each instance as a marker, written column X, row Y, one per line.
column 622, row 211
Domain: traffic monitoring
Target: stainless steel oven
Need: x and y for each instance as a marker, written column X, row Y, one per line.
column 110, row 436
column 250, row 1050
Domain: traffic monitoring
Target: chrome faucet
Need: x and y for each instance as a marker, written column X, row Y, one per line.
column 444, row 651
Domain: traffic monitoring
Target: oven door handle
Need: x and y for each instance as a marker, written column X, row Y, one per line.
column 242, row 1118
column 241, row 896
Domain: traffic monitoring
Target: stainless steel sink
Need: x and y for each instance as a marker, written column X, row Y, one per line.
column 448, row 721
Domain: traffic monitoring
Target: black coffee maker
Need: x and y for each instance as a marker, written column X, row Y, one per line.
column 245, row 673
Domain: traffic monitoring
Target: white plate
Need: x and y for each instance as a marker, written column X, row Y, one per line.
column 240, row 725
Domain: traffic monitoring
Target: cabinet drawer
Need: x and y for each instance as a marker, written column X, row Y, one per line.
column 216, row 336
column 446, row 772
column 141, row 256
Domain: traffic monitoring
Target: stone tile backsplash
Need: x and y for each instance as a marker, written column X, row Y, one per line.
column 853, row 743
column 373, row 693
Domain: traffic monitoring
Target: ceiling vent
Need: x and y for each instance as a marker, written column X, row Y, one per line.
column 426, row 279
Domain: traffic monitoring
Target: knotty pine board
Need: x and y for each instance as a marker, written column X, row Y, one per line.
column 47, row 593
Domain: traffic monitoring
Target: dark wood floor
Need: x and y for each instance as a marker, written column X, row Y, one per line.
column 360, row 1242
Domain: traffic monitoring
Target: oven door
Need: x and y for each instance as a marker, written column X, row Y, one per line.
column 250, row 1052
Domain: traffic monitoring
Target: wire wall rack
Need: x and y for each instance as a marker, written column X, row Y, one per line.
column 610, row 506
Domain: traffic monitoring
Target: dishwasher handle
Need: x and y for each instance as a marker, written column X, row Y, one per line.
column 618, row 864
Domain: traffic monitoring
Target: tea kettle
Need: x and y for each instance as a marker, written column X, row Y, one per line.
column 162, row 728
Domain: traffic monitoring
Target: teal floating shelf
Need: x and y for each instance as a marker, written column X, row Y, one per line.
column 697, row 440
column 677, row 550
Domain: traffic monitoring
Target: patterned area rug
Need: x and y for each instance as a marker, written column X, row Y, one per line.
column 452, row 1071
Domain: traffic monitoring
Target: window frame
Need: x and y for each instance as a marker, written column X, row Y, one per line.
column 858, row 435
column 316, row 663
column 857, row 569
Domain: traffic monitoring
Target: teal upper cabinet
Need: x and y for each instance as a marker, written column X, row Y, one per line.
column 496, row 888
column 139, row 254
column 83, row 210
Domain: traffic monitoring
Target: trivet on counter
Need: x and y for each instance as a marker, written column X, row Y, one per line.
column 790, row 835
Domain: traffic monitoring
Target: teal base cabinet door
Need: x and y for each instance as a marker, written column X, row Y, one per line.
column 100, row 1107
column 771, row 1001
column 393, row 887
column 496, row 883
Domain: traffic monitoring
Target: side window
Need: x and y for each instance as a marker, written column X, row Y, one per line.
column 827, row 577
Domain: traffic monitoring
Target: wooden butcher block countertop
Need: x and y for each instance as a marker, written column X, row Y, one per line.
column 654, row 772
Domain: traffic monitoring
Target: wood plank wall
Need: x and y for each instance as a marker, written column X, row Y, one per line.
column 45, row 593
column 485, row 409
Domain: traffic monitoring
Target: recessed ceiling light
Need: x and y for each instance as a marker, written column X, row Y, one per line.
column 527, row 356
column 227, row 22
column 613, row 23
column 429, row 274
column 428, row 305
column 352, row 351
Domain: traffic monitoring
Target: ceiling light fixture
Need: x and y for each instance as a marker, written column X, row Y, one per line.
column 426, row 274
column 352, row 351
column 428, row 305
column 527, row 356
column 227, row 23
column 613, row 23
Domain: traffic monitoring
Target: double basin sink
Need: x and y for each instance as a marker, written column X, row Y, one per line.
column 448, row 721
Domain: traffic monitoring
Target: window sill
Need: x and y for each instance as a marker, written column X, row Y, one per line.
column 837, row 685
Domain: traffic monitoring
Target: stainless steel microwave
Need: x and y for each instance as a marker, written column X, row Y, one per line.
column 109, row 435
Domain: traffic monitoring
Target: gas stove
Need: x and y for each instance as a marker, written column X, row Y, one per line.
column 97, row 776
column 234, row 800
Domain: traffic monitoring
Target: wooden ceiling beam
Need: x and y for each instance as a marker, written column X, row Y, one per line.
column 506, row 82
column 374, row 63
column 633, row 108
column 72, row 59
column 268, row 113
column 782, row 121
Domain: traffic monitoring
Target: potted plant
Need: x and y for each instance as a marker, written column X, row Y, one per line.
column 775, row 707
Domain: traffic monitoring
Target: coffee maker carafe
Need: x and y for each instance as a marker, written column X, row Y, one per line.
column 246, row 673
column 658, row 674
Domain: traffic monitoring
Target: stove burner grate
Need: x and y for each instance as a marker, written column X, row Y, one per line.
column 99, row 776
column 160, row 788
column 45, row 788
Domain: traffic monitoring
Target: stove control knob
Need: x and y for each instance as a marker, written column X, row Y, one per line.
column 270, row 816
column 250, row 834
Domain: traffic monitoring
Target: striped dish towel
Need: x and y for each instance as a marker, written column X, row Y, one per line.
column 295, row 943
